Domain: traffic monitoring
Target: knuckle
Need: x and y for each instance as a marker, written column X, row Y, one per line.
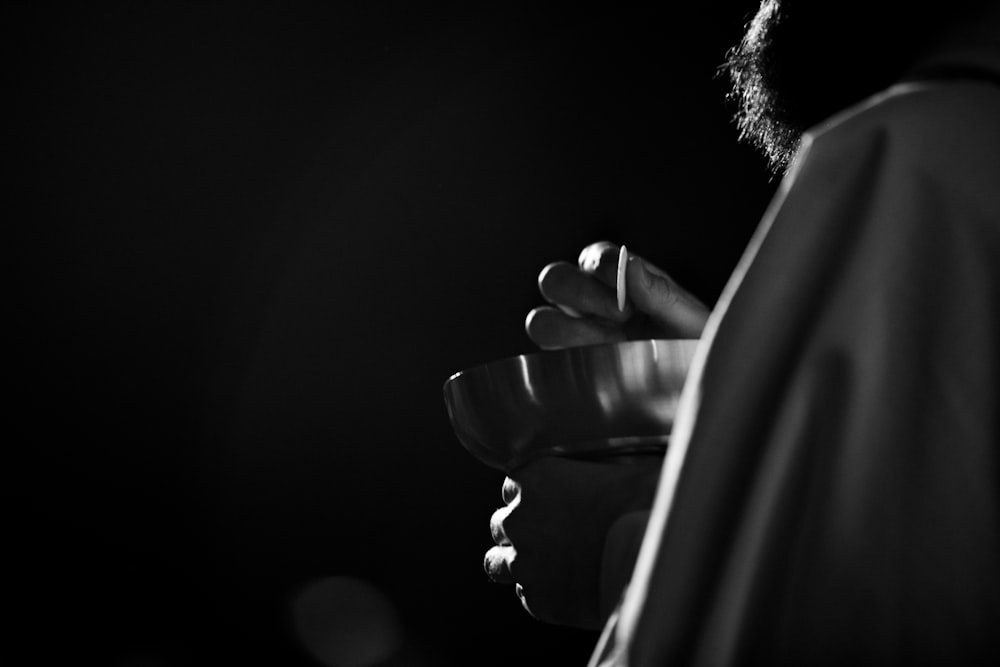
column 497, row 529
column 658, row 285
column 497, row 564
column 666, row 293
column 510, row 491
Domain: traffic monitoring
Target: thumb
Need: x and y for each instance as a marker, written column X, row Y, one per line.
column 655, row 293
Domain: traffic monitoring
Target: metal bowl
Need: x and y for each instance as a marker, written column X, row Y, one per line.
column 595, row 400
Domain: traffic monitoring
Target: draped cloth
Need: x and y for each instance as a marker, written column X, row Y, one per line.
column 832, row 491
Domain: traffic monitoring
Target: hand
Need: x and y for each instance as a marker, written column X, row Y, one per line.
column 551, row 534
column 584, row 302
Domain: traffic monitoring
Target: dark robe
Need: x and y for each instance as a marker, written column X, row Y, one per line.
column 832, row 491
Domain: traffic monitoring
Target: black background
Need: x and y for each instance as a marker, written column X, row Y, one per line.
column 250, row 242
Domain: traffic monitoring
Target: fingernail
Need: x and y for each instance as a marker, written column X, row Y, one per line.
column 622, row 264
column 589, row 259
column 572, row 312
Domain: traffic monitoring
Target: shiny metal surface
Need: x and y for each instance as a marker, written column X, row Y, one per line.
column 609, row 399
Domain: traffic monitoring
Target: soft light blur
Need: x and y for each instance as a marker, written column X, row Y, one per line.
column 346, row 622
column 250, row 242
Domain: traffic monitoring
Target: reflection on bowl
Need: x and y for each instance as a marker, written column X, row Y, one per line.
column 595, row 400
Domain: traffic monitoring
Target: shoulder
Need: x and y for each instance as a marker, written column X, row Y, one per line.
column 953, row 109
column 935, row 136
column 945, row 132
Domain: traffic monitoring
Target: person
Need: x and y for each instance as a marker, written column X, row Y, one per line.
column 831, row 493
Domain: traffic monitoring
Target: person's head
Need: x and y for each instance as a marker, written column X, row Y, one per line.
column 801, row 61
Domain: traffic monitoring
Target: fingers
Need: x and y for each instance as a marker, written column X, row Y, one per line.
column 649, row 289
column 551, row 535
column 565, row 285
column 653, row 292
column 552, row 329
column 519, row 591
column 586, row 308
column 510, row 491
column 496, row 526
column 499, row 559
column 600, row 260
column 497, row 564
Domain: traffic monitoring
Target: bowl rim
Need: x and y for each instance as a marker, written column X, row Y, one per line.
column 567, row 351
